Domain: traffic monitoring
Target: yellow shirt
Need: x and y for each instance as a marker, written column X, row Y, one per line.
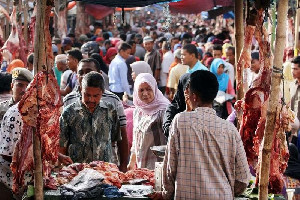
column 175, row 74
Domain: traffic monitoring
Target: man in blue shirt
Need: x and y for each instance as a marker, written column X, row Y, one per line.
column 117, row 73
column 189, row 56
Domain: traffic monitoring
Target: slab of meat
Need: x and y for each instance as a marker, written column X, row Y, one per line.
column 12, row 43
column 62, row 28
column 39, row 108
column 48, row 41
column 31, row 31
column 110, row 171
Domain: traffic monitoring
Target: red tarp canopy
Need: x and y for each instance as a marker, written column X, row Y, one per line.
column 197, row 6
column 98, row 11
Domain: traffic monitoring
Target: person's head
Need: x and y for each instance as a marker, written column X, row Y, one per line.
column 14, row 64
column 111, row 54
column 161, row 40
column 174, row 40
column 101, row 62
column 217, row 51
column 74, row 56
column 100, row 41
column 106, row 36
column 30, row 62
column 124, row 50
column 61, row 61
column 255, row 64
column 217, row 66
column 144, row 88
column 177, row 55
column 138, row 38
column 54, row 50
column 132, row 43
column 21, row 77
column 296, row 68
column 139, row 67
column 148, row 43
column 5, row 82
column 67, row 43
column 83, row 38
column 166, row 46
column 89, row 48
column 92, row 90
column 107, row 44
column 123, row 37
column 203, row 88
column 189, row 55
column 230, row 54
column 72, row 37
column 85, row 66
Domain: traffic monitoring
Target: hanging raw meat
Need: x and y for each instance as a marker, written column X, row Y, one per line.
column 31, row 31
column 12, row 43
column 62, row 22
column 39, row 109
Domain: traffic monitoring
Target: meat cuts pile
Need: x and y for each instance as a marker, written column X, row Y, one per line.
column 253, row 109
column 111, row 173
column 39, row 108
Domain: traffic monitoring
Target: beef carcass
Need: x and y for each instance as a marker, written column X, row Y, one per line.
column 40, row 110
column 12, row 43
column 31, row 31
column 62, row 22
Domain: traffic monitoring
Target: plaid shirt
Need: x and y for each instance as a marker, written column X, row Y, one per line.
column 205, row 158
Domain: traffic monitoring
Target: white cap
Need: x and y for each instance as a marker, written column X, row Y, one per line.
column 61, row 57
column 147, row 39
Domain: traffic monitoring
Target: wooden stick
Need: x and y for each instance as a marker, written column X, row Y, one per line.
column 273, row 102
column 239, row 39
column 39, row 61
column 297, row 21
column 25, row 10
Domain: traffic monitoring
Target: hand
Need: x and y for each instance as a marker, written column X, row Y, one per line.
column 66, row 160
column 125, row 97
column 156, row 196
column 131, row 166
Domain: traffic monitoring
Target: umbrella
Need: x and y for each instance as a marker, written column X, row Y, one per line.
column 126, row 3
column 197, row 6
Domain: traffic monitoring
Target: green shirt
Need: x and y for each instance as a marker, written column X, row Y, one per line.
column 86, row 135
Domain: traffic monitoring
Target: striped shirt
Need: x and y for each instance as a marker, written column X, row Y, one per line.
column 205, row 158
column 106, row 96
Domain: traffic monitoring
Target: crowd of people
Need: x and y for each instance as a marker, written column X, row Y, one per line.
column 143, row 88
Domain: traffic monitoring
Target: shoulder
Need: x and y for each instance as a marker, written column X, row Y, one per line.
column 71, row 96
column 71, row 109
column 4, row 105
column 107, row 105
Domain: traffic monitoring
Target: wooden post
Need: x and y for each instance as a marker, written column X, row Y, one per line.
column 39, row 61
column 297, row 21
column 273, row 102
column 239, row 39
column 7, row 21
column 25, row 10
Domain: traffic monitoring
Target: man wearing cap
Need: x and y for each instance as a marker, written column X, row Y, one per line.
column 21, row 77
column 10, row 130
column 61, row 61
column 66, row 44
column 176, row 72
column 152, row 57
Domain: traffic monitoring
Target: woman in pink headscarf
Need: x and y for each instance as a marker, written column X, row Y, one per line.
column 150, row 105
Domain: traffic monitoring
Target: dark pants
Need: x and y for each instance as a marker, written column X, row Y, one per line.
column 6, row 193
column 119, row 94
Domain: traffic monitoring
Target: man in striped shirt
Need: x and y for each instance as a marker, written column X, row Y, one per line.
column 107, row 97
column 205, row 158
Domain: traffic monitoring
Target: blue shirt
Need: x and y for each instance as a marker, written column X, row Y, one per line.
column 117, row 74
column 198, row 66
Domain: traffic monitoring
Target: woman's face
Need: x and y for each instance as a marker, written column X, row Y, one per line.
column 220, row 69
column 146, row 93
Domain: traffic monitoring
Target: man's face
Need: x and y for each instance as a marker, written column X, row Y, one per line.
column 67, row 47
column 148, row 46
column 72, row 63
column 61, row 66
column 186, row 58
column 29, row 66
column 83, row 69
column 230, row 56
column 296, row 71
column 91, row 97
column 125, row 54
column 18, row 89
column 217, row 53
column 255, row 66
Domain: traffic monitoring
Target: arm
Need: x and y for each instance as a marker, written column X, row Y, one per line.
column 157, row 67
column 64, row 140
column 123, row 150
column 242, row 173
column 65, row 91
column 123, row 76
column 170, row 163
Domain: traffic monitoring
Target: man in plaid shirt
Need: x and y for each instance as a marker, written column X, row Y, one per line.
column 205, row 157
